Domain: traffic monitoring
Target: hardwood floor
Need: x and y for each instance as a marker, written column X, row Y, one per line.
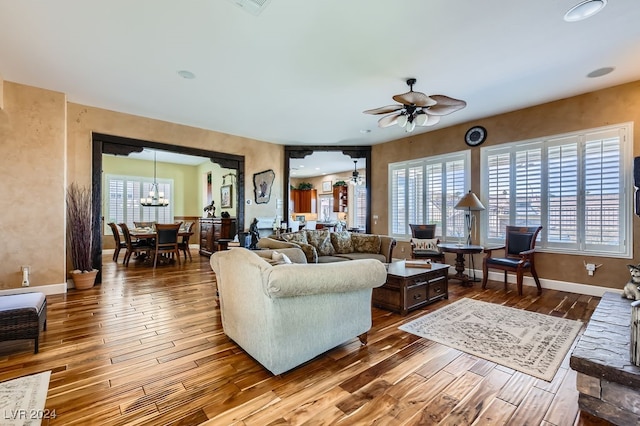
column 147, row 347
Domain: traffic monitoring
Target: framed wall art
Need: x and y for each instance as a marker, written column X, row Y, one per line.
column 262, row 183
column 326, row 186
column 226, row 196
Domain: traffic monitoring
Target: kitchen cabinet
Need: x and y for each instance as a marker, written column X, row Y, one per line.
column 340, row 199
column 304, row 200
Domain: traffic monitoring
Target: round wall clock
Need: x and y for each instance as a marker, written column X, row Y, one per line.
column 475, row 136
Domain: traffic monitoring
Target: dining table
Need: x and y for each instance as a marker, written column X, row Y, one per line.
column 150, row 234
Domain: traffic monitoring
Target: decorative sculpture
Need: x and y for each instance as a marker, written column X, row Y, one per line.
column 255, row 235
column 632, row 288
column 210, row 209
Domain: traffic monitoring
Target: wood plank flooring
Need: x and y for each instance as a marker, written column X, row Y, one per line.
column 146, row 347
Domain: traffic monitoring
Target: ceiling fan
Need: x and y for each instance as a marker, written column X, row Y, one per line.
column 416, row 109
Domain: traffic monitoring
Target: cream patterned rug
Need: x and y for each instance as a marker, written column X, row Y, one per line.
column 22, row 400
column 529, row 342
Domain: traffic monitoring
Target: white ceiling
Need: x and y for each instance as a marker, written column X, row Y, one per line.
column 302, row 72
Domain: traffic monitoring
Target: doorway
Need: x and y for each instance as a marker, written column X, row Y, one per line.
column 118, row 145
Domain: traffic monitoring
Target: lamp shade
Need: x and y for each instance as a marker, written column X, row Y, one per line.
column 469, row 202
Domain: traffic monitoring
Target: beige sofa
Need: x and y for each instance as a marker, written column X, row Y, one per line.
column 286, row 314
column 322, row 246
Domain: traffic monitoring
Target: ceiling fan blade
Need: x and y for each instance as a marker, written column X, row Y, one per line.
column 389, row 120
column 427, row 120
column 414, row 98
column 384, row 110
column 445, row 105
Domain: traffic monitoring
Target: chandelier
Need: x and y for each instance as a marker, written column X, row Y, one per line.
column 356, row 179
column 155, row 198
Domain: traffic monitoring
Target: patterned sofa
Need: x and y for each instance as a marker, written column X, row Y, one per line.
column 322, row 246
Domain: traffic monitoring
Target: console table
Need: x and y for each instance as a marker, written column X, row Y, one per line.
column 411, row 288
column 212, row 230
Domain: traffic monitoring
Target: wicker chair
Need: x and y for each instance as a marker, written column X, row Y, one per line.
column 22, row 316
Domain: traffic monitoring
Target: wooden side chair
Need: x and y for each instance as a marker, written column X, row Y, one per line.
column 184, row 244
column 120, row 244
column 132, row 247
column 419, row 233
column 166, row 240
column 519, row 255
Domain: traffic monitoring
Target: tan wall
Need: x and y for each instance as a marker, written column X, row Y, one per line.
column 32, row 172
column 38, row 160
column 610, row 106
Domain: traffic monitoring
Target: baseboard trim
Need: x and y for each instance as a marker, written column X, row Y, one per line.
column 48, row 290
column 586, row 289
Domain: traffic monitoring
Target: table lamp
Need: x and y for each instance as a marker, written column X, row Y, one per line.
column 469, row 203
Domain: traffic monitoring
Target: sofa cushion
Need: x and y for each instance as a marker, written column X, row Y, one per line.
column 341, row 242
column 331, row 259
column 366, row 243
column 357, row 256
column 425, row 244
column 321, row 240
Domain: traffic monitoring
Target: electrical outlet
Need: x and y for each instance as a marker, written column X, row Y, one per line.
column 402, row 249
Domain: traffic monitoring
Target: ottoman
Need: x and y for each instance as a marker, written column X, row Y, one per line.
column 22, row 316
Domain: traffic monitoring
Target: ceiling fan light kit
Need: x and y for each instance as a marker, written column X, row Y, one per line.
column 416, row 109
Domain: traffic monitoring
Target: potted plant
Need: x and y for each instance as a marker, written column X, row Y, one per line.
column 305, row 185
column 79, row 236
column 340, row 183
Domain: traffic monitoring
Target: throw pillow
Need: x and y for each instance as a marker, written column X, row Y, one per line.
column 280, row 258
column 310, row 252
column 341, row 242
column 364, row 243
column 296, row 237
column 425, row 244
column 321, row 240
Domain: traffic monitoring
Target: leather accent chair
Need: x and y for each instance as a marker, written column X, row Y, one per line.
column 519, row 255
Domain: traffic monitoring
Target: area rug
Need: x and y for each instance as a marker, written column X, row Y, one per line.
column 22, row 400
column 532, row 343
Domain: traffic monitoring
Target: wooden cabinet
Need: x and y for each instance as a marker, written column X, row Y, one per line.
column 304, row 200
column 214, row 229
column 411, row 288
column 340, row 199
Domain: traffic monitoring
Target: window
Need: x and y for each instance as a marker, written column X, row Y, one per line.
column 123, row 194
column 426, row 191
column 360, row 207
column 575, row 186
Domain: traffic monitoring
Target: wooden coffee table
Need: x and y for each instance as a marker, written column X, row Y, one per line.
column 411, row 288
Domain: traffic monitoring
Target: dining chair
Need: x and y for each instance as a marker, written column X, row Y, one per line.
column 118, row 241
column 519, row 255
column 424, row 243
column 184, row 244
column 166, row 240
column 136, row 247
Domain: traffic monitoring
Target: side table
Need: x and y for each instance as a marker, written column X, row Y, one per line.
column 460, row 250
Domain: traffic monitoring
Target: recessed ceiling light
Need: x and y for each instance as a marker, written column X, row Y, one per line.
column 600, row 72
column 186, row 74
column 584, row 10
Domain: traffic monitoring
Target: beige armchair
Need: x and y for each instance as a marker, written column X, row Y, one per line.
column 287, row 314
